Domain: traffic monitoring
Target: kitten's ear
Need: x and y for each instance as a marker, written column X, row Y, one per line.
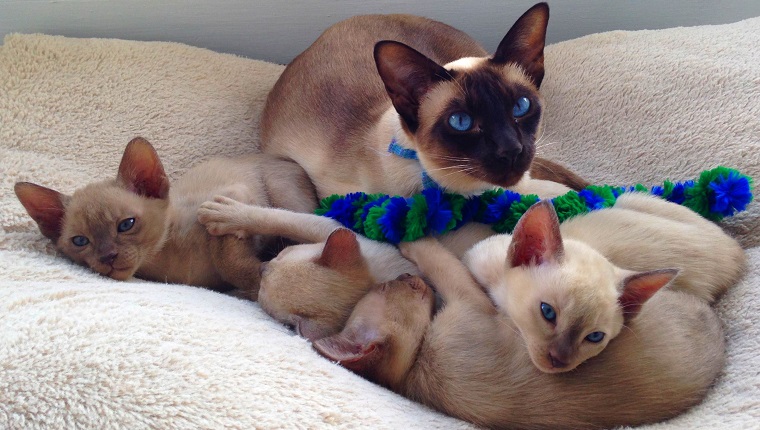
column 524, row 43
column 309, row 329
column 341, row 251
column 45, row 206
column 357, row 355
column 141, row 170
column 640, row 287
column 536, row 238
column 407, row 75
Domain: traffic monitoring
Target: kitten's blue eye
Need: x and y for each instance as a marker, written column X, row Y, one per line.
column 80, row 240
column 595, row 337
column 460, row 121
column 521, row 107
column 125, row 225
column 548, row 312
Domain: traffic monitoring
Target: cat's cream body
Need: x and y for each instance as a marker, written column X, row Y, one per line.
column 469, row 360
column 596, row 275
column 336, row 109
column 164, row 241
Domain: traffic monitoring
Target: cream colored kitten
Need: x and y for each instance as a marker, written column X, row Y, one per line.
column 468, row 360
column 135, row 225
column 315, row 285
column 571, row 289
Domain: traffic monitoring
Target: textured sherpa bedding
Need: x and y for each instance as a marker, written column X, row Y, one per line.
column 80, row 351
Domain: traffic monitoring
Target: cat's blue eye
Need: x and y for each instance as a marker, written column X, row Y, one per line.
column 80, row 240
column 125, row 225
column 548, row 312
column 595, row 337
column 460, row 121
column 521, row 107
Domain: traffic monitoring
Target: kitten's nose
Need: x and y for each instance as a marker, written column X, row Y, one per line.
column 557, row 364
column 109, row 258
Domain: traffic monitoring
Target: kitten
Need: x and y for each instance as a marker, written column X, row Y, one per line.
column 570, row 289
column 468, row 360
column 315, row 285
column 135, row 226
column 373, row 86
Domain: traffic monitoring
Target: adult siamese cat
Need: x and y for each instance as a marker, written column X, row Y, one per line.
column 136, row 225
column 392, row 103
column 570, row 289
column 469, row 361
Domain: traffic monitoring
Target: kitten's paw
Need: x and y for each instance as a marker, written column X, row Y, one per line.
column 223, row 216
column 412, row 250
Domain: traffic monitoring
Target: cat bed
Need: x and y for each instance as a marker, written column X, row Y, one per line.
column 78, row 350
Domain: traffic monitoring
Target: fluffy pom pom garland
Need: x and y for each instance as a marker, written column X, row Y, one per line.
column 716, row 194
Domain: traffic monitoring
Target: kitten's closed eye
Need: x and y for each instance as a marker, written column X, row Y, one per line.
column 125, row 225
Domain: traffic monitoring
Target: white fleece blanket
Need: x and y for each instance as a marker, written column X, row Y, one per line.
column 80, row 351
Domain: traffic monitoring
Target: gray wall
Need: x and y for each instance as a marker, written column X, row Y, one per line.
column 277, row 30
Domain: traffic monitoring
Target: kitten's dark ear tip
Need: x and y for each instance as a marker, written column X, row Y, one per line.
column 19, row 186
column 139, row 140
column 544, row 205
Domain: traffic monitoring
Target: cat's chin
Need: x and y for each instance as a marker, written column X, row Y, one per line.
column 480, row 181
column 544, row 365
column 119, row 274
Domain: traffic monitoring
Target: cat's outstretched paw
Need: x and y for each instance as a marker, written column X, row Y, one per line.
column 223, row 216
column 412, row 250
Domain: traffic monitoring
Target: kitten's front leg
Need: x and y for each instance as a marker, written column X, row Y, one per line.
column 451, row 278
column 227, row 216
column 224, row 216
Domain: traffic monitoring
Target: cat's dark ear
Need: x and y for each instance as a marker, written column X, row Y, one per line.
column 640, row 287
column 45, row 206
column 536, row 238
column 141, row 170
column 353, row 353
column 341, row 251
column 524, row 43
column 407, row 75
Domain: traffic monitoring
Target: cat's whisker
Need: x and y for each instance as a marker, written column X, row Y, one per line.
column 466, row 170
column 458, row 166
column 450, row 158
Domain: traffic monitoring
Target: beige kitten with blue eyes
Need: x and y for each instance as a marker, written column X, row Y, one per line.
column 136, row 225
column 571, row 289
column 468, row 361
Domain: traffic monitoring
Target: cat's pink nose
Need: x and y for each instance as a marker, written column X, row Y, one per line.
column 109, row 258
column 557, row 364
